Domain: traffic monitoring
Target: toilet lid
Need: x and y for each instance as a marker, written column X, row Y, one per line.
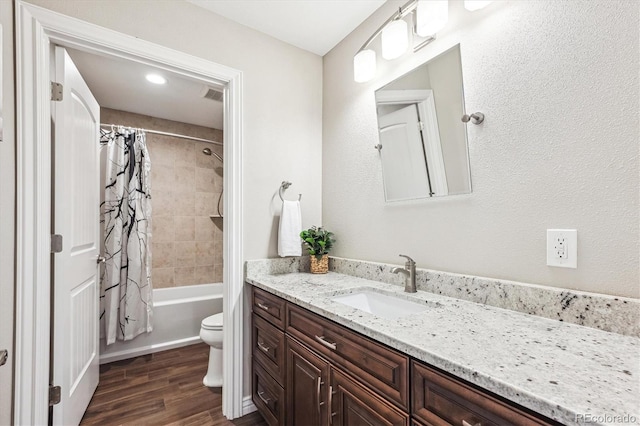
column 214, row 321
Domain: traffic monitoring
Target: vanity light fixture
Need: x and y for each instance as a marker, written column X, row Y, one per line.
column 429, row 17
column 364, row 65
column 472, row 5
column 395, row 39
column 156, row 79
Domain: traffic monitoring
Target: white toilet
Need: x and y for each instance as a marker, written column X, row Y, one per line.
column 211, row 334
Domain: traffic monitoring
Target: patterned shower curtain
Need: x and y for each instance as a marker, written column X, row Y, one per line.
column 125, row 286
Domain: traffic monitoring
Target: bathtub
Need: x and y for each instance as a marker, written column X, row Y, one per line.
column 177, row 314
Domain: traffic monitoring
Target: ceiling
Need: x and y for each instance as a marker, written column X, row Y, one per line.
column 121, row 84
column 313, row 25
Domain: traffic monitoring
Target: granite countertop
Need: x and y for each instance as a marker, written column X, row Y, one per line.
column 567, row 372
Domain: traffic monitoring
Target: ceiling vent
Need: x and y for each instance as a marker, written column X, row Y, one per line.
column 213, row 94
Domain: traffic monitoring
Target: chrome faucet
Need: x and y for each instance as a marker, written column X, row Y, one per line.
column 409, row 271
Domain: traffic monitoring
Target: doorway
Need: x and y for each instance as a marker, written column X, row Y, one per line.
column 37, row 30
column 173, row 211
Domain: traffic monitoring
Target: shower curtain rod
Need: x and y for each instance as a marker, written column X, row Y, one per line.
column 176, row 135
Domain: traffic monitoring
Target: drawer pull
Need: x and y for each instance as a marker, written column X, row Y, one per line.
column 265, row 400
column 329, row 345
column 263, row 348
column 466, row 423
column 263, row 306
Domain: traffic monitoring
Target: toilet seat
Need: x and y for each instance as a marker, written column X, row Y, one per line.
column 213, row 322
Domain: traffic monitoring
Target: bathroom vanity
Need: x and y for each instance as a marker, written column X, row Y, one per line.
column 317, row 361
column 308, row 370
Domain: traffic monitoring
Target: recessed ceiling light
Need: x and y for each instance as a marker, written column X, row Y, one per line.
column 156, row 79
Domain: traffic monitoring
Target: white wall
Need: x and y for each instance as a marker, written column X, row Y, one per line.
column 558, row 82
column 7, row 215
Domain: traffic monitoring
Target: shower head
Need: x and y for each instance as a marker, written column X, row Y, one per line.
column 207, row 151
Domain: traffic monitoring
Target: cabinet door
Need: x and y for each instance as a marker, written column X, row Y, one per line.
column 353, row 405
column 307, row 386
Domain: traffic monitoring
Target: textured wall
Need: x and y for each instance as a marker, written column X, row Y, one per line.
column 558, row 82
column 186, row 243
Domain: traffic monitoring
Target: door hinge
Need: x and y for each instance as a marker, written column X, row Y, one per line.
column 4, row 355
column 56, row 91
column 420, row 125
column 54, row 395
column 56, row 243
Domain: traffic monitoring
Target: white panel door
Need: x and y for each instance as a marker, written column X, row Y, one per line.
column 403, row 163
column 76, row 120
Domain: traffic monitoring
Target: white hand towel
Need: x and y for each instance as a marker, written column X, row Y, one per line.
column 289, row 243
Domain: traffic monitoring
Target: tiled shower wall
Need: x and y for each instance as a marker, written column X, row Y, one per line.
column 186, row 241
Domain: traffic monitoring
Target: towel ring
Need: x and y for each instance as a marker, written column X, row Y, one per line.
column 283, row 187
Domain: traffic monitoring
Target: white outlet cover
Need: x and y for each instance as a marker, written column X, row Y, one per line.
column 569, row 238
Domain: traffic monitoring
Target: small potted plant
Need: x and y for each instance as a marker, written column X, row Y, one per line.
column 318, row 242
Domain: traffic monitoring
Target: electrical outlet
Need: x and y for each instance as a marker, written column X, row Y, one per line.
column 562, row 248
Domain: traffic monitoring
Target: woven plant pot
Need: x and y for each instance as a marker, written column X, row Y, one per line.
column 320, row 266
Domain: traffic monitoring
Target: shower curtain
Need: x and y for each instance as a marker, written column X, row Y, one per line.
column 125, row 287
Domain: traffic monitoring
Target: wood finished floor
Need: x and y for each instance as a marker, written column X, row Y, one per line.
column 164, row 388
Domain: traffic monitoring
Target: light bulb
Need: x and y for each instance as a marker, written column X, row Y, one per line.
column 395, row 39
column 475, row 4
column 156, row 79
column 431, row 16
column 364, row 66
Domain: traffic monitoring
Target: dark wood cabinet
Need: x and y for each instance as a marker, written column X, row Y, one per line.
column 317, row 373
column 353, row 404
column 269, row 307
column 381, row 368
column 307, row 386
column 268, row 396
column 439, row 399
column 268, row 348
column 310, row 371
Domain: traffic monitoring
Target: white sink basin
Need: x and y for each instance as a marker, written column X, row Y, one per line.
column 380, row 304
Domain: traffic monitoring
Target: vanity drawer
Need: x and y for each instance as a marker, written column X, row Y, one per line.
column 269, row 307
column 352, row 404
column 440, row 400
column 383, row 369
column 268, row 348
column 268, row 396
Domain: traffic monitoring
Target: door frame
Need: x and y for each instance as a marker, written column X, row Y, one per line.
column 37, row 29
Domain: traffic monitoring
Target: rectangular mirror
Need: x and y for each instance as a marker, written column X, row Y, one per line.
column 423, row 142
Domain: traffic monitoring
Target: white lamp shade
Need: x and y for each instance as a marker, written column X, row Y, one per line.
column 475, row 4
column 364, row 66
column 395, row 39
column 431, row 16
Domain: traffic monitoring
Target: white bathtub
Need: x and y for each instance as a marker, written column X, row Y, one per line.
column 177, row 314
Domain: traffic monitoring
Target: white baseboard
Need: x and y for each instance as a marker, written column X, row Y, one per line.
column 247, row 405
